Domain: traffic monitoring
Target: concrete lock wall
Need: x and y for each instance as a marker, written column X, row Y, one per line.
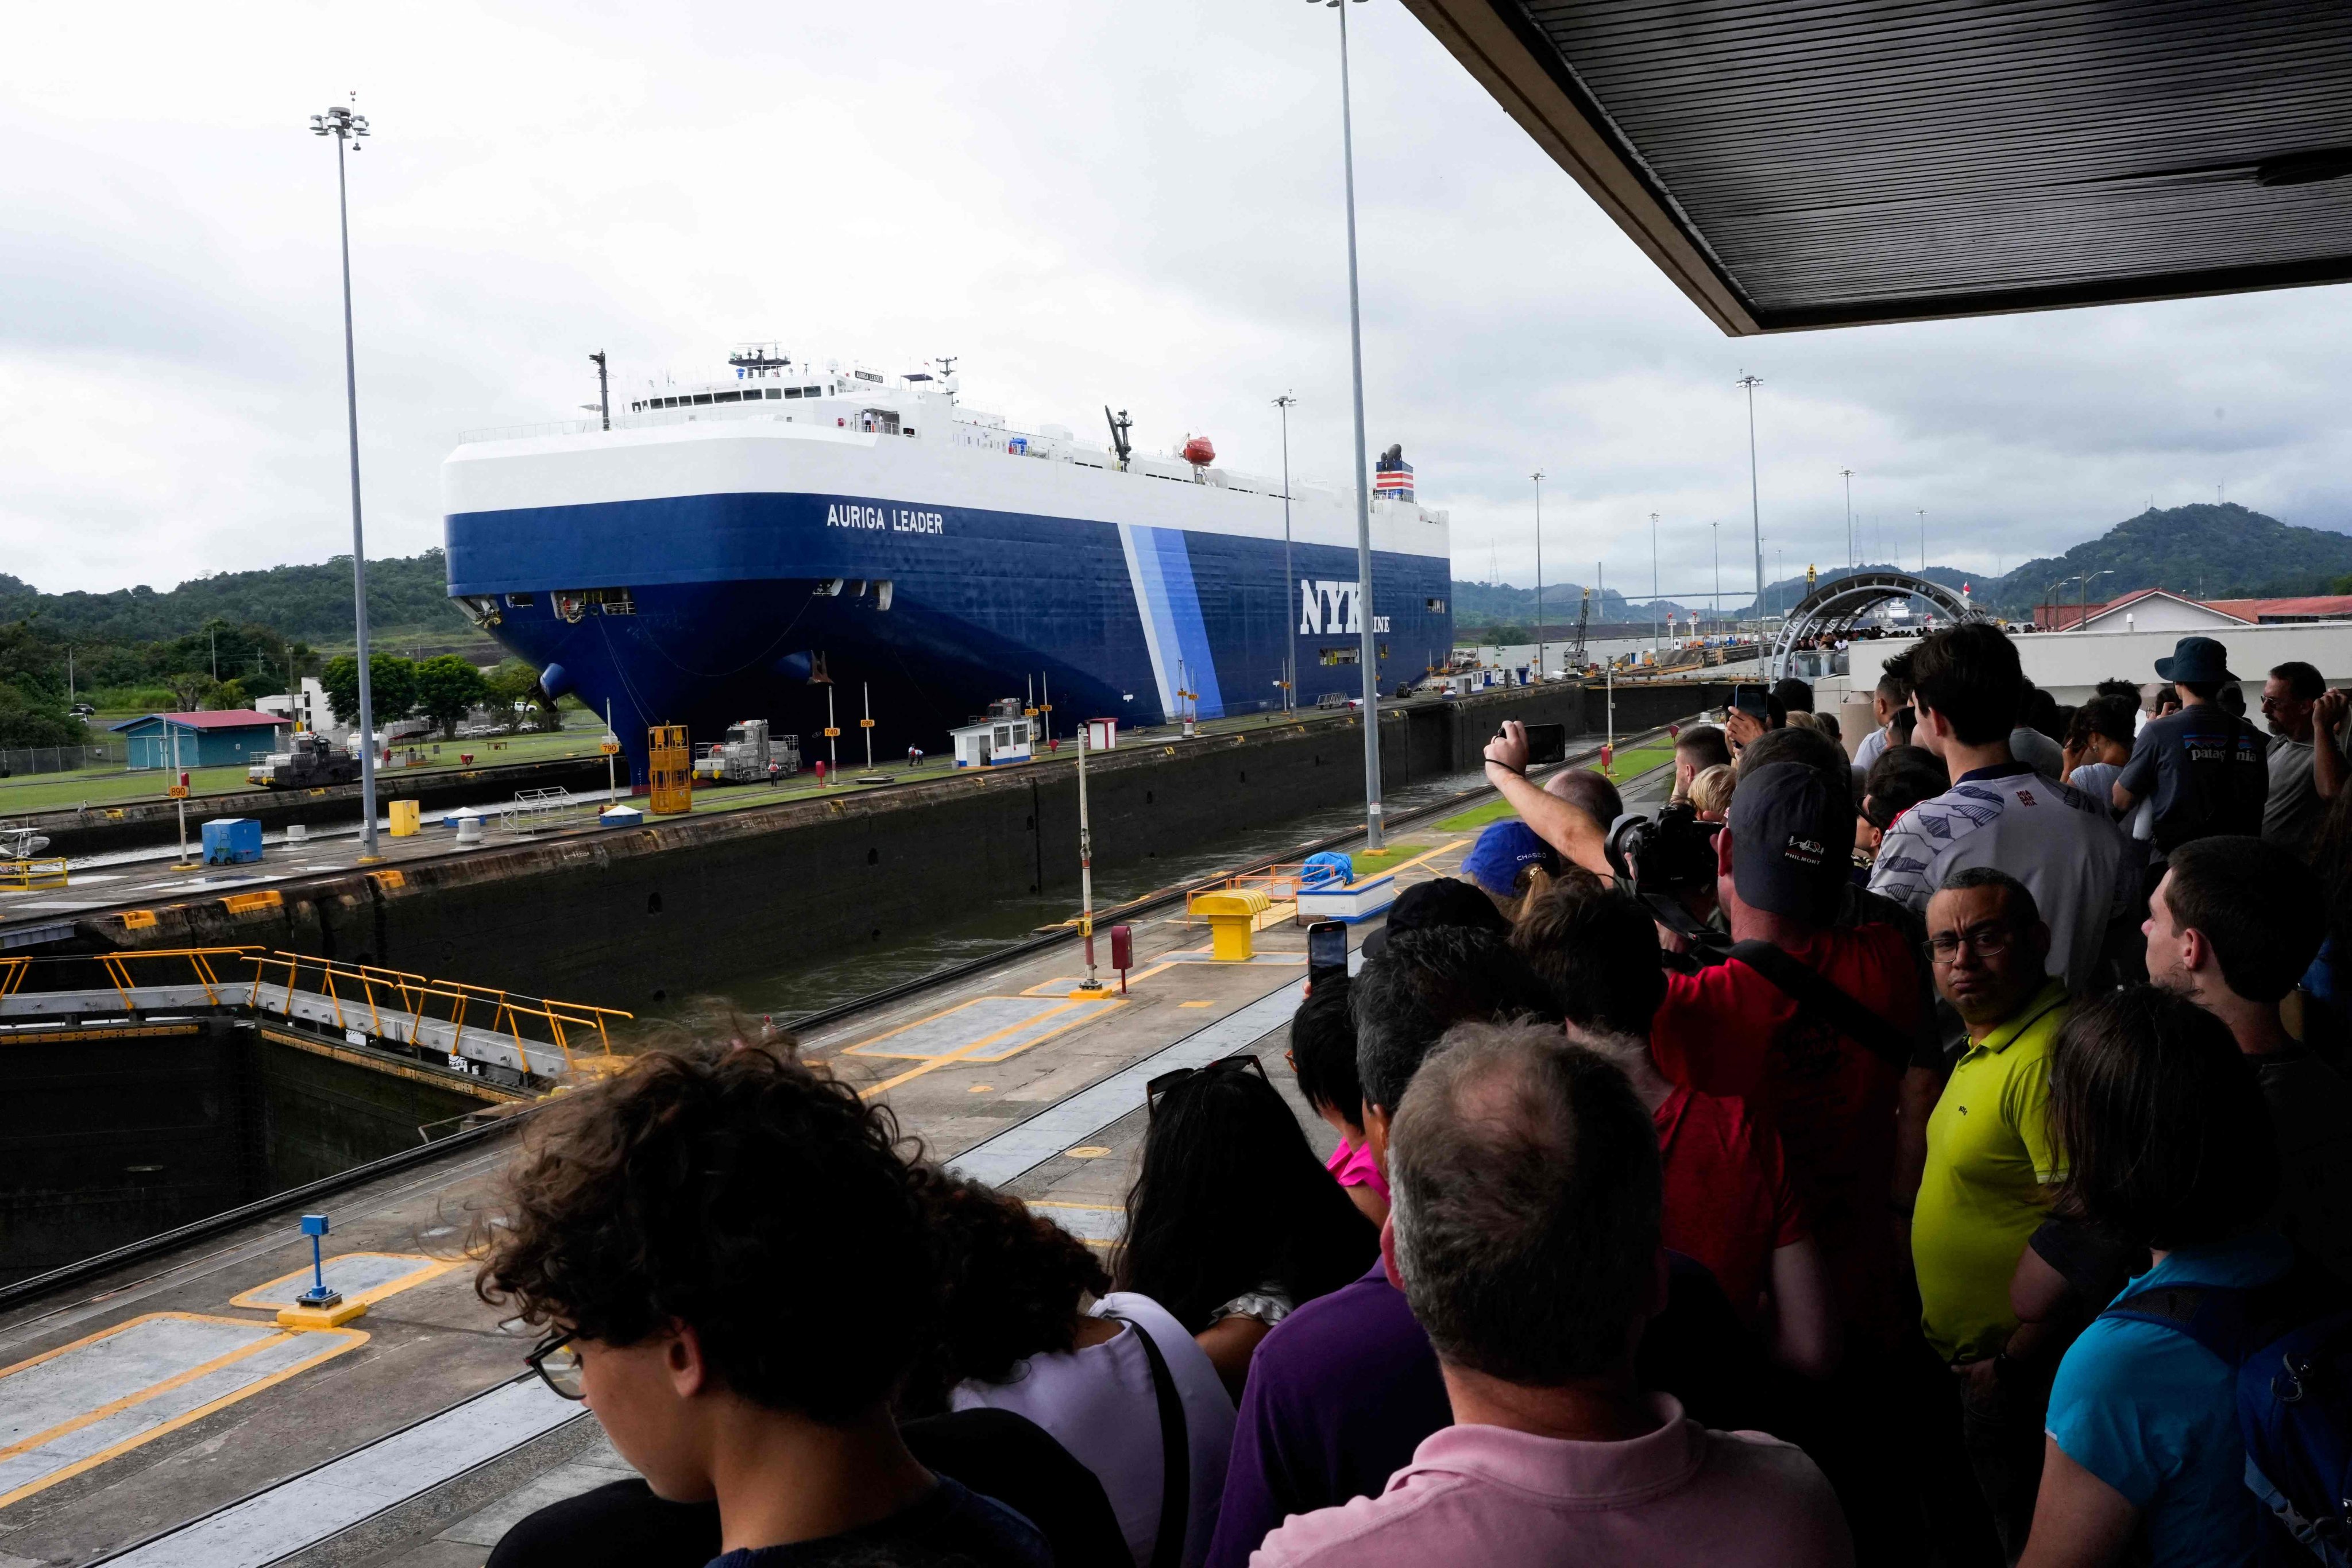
column 679, row 904
column 105, row 1141
column 109, row 1136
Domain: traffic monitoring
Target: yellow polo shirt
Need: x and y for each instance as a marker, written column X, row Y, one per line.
column 1991, row 1167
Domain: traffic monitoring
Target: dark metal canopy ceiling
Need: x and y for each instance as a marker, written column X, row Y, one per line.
column 1796, row 163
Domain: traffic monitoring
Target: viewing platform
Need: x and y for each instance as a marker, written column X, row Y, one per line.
column 154, row 1411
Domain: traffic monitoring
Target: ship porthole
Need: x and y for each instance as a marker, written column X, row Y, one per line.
column 874, row 857
column 653, row 904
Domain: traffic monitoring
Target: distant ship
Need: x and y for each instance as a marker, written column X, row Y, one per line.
column 745, row 547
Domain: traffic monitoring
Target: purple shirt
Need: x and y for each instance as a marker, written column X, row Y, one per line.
column 1487, row 1497
column 1339, row 1395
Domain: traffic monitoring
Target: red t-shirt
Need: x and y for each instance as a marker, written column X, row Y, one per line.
column 1728, row 1198
column 1728, row 1030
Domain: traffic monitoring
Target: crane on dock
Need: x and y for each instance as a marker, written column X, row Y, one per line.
column 1583, row 623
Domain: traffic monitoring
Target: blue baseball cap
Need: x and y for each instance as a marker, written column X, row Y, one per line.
column 1502, row 852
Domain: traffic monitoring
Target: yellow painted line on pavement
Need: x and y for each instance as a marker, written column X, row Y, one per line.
column 961, row 1052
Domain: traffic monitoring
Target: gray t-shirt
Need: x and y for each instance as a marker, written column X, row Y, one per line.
column 2292, row 815
column 2038, row 751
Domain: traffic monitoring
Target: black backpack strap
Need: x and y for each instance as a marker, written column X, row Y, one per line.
column 1176, row 1457
column 1824, row 1001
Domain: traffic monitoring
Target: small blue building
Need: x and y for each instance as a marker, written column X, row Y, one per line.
column 228, row 738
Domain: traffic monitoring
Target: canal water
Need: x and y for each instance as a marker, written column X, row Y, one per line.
column 798, row 989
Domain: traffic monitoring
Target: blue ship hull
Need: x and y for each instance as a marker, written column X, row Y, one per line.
column 730, row 619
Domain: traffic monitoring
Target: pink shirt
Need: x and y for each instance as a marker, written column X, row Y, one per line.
column 1355, row 1167
column 1487, row 1497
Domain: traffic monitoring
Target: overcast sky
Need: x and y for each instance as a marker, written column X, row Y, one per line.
column 1132, row 203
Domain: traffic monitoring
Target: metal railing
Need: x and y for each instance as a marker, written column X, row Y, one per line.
column 29, row 875
column 413, row 1010
column 27, row 760
column 398, row 1005
column 532, row 810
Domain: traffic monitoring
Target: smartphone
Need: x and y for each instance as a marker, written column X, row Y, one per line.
column 1547, row 744
column 1326, row 950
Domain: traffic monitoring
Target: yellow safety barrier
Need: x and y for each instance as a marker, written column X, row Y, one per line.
column 1231, row 916
column 25, row 876
column 368, row 991
column 127, row 972
column 407, row 818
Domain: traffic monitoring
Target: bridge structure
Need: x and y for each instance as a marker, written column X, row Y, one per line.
column 1836, row 604
column 516, row 1040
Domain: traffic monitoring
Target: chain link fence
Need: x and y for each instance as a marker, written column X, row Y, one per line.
column 22, row 760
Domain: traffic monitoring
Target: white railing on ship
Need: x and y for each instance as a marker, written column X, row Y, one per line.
column 760, row 410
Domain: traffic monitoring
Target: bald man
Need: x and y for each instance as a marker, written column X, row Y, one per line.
column 1586, row 790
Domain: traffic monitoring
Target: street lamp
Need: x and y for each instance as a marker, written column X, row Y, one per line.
column 2083, row 605
column 1847, row 475
column 347, row 128
column 1715, row 532
column 1538, row 478
column 1289, row 581
column 1755, row 505
column 1654, row 583
column 1374, row 837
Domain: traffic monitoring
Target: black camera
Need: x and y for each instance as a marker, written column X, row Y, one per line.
column 1673, row 852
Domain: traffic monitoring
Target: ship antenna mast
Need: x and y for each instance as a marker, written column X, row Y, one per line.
column 1119, row 425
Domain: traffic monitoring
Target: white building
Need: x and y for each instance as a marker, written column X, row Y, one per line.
column 308, row 707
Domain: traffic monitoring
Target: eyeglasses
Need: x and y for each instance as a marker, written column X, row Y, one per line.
column 1240, row 1062
column 1985, row 940
column 557, row 1361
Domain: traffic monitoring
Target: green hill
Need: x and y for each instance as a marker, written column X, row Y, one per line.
column 302, row 603
column 2207, row 552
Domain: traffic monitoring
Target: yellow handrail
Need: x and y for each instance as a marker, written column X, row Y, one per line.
column 397, row 1002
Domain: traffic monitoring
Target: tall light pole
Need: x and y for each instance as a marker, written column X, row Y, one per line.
column 1715, row 532
column 1538, row 477
column 1847, row 475
column 1374, row 836
column 1653, row 582
column 1754, row 505
column 1922, row 541
column 1289, row 581
column 347, row 129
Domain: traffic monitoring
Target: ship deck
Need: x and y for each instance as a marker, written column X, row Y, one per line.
column 156, row 1415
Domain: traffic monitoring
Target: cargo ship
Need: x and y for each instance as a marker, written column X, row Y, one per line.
column 803, row 533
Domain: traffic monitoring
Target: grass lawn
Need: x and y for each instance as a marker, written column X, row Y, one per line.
column 117, row 786
column 1628, row 765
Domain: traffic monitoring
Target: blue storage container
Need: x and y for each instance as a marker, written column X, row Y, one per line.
column 232, row 841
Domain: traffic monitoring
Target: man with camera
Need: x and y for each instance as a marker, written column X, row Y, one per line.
column 1812, row 1021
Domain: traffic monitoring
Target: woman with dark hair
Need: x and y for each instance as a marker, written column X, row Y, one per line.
column 1323, row 1054
column 1232, row 1221
column 2169, row 1146
column 1022, row 1331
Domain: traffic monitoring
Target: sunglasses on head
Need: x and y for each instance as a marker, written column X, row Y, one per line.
column 1239, row 1062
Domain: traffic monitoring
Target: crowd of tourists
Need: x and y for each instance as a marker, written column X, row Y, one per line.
column 1936, row 1151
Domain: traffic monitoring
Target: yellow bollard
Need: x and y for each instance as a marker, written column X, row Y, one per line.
column 405, row 819
column 1232, row 917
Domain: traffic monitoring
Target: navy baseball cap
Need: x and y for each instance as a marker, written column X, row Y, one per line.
column 1502, row 852
column 1440, row 901
column 2196, row 659
column 1792, row 841
column 1752, row 700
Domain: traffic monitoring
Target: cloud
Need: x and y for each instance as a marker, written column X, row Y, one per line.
column 1084, row 204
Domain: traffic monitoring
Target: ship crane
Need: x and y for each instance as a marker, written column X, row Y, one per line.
column 1119, row 425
